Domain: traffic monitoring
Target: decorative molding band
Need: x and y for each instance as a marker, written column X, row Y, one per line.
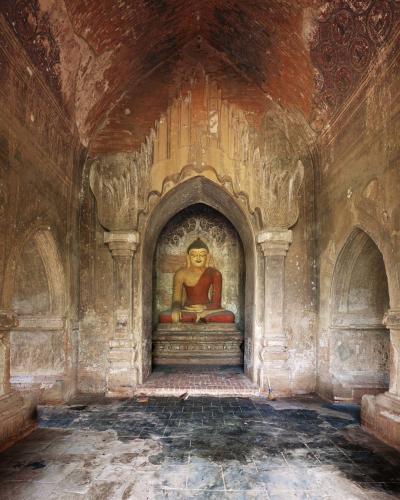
column 275, row 242
column 8, row 321
column 41, row 323
column 378, row 327
column 122, row 243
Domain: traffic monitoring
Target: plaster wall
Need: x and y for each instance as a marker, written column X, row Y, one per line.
column 40, row 157
column 358, row 189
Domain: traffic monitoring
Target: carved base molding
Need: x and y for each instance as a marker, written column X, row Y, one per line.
column 17, row 417
column 199, row 344
column 380, row 415
column 352, row 391
column 47, row 388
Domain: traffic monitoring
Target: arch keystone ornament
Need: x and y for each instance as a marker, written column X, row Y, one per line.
column 122, row 370
column 381, row 414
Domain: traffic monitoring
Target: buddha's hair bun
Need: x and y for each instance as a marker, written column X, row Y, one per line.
column 197, row 245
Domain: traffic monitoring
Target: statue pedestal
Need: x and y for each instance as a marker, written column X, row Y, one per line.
column 197, row 344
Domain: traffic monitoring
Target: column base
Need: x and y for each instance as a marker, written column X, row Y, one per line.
column 380, row 415
column 17, row 417
column 121, row 379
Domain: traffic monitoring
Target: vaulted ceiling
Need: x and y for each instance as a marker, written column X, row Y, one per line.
column 115, row 65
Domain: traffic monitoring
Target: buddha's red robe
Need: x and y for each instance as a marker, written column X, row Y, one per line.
column 200, row 294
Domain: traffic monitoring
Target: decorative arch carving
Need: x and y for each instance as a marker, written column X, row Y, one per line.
column 203, row 134
column 54, row 270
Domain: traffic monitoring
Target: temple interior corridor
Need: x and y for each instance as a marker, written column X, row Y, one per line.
column 199, row 249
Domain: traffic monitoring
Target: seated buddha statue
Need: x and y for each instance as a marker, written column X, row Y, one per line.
column 197, row 291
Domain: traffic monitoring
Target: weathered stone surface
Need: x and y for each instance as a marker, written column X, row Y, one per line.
column 359, row 227
column 200, row 344
column 201, row 447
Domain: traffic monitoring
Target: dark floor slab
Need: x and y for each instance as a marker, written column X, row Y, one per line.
column 205, row 447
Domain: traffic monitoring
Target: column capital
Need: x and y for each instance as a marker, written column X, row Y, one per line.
column 122, row 243
column 275, row 242
column 392, row 319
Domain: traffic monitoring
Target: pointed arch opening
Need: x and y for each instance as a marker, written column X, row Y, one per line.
column 359, row 343
column 198, row 190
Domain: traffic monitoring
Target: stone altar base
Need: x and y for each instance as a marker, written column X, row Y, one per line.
column 198, row 344
column 380, row 415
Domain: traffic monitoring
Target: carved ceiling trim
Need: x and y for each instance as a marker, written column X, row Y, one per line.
column 349, row 35
column 32, row 28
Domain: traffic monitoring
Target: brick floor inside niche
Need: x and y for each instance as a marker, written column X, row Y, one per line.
column 199, row 380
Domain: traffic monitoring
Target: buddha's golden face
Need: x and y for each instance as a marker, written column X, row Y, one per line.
column 198, row 257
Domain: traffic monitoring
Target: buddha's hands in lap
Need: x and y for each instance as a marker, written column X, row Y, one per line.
column 176, row 316
column 196, row 308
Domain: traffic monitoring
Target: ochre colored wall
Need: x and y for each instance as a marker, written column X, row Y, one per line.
column 358, row 188
column 40, row 161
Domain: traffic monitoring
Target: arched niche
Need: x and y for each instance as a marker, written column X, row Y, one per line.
column 191, row 192
column 359, row 343
column 39, row 283
column 37, row 295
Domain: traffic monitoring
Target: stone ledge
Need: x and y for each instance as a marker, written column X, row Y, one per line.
column 17, row 417
column 380, row 415
column 27, row 323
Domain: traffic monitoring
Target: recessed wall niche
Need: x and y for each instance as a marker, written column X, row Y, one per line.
column 223, row 241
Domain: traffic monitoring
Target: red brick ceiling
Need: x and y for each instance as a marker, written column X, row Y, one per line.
column 255, row 50
column 119, row 63
column 145, row 49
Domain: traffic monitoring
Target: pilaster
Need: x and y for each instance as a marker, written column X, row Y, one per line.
column 16, row 411
column 8, row 321
column 273, row 353
column 381, row 414
column 122, row 369
column 392, row 322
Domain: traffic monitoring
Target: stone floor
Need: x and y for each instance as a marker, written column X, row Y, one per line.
column 198, row 380
column 202, row 447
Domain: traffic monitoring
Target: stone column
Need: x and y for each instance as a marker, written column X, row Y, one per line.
column 273, row 352
column 8, row 321
column 122, row 369
column 392, row 321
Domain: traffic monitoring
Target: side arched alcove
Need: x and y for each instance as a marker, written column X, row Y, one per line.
column 359, row 342
column 36, row 292
column 197, row 190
